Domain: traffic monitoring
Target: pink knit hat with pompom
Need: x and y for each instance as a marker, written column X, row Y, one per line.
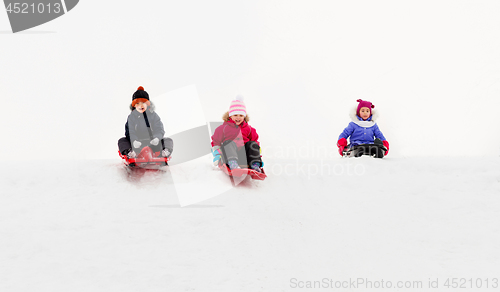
column 364, row 103
column 238, row 107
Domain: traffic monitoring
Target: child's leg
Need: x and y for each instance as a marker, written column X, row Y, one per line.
column 242, row 157
column 377, row 152
column 231, row 150
column 373, row 150
column 124, row 145
column 252, row 150
column 358, row 151
column 168, row 144
column 380, row 148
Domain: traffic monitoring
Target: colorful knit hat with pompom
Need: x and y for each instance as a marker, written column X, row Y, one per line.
column 140, row 96
column 238, row 107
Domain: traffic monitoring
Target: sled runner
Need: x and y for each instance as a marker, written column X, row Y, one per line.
column 239, row 172
column 146, row 159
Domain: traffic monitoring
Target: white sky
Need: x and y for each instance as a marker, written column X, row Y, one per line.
column 431, row 68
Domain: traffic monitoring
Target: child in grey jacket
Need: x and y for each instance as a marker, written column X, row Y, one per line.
column 144, row 128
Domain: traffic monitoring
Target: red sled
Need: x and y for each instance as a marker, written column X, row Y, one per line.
column 146, row 159
column 239, row 172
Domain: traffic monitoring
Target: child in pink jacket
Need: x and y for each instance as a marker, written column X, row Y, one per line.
column 238, row 138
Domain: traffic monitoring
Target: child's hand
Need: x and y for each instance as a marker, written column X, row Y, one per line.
column 342, row 143
column 137, row 144
column 386, row 144
column 217, row 155
column 154, row 141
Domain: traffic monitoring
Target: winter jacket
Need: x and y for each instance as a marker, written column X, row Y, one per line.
column 136, row 128
column 362, row 132
column 239, row 134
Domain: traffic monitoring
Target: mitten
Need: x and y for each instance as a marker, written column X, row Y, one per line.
column 154, row 141
column 341, row 143
column 131, row 154
column 137, row 144
column 217, row 155
column 165, row 153
column 386, row 144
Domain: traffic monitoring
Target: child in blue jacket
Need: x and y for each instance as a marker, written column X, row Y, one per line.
column 363, row 129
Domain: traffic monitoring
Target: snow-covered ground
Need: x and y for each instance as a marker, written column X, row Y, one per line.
column 90, row 226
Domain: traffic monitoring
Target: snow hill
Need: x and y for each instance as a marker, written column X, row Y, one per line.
column 90, row 226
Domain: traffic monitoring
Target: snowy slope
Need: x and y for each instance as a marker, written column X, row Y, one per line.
column 88, row 226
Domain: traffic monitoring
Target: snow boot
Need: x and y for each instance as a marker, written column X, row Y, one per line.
column 256, row 166
column 165, row 153
column 233, row 164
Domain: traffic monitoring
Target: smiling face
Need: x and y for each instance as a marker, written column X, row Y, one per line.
column 238, row 119
column 141, row 107
column 364, row 113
